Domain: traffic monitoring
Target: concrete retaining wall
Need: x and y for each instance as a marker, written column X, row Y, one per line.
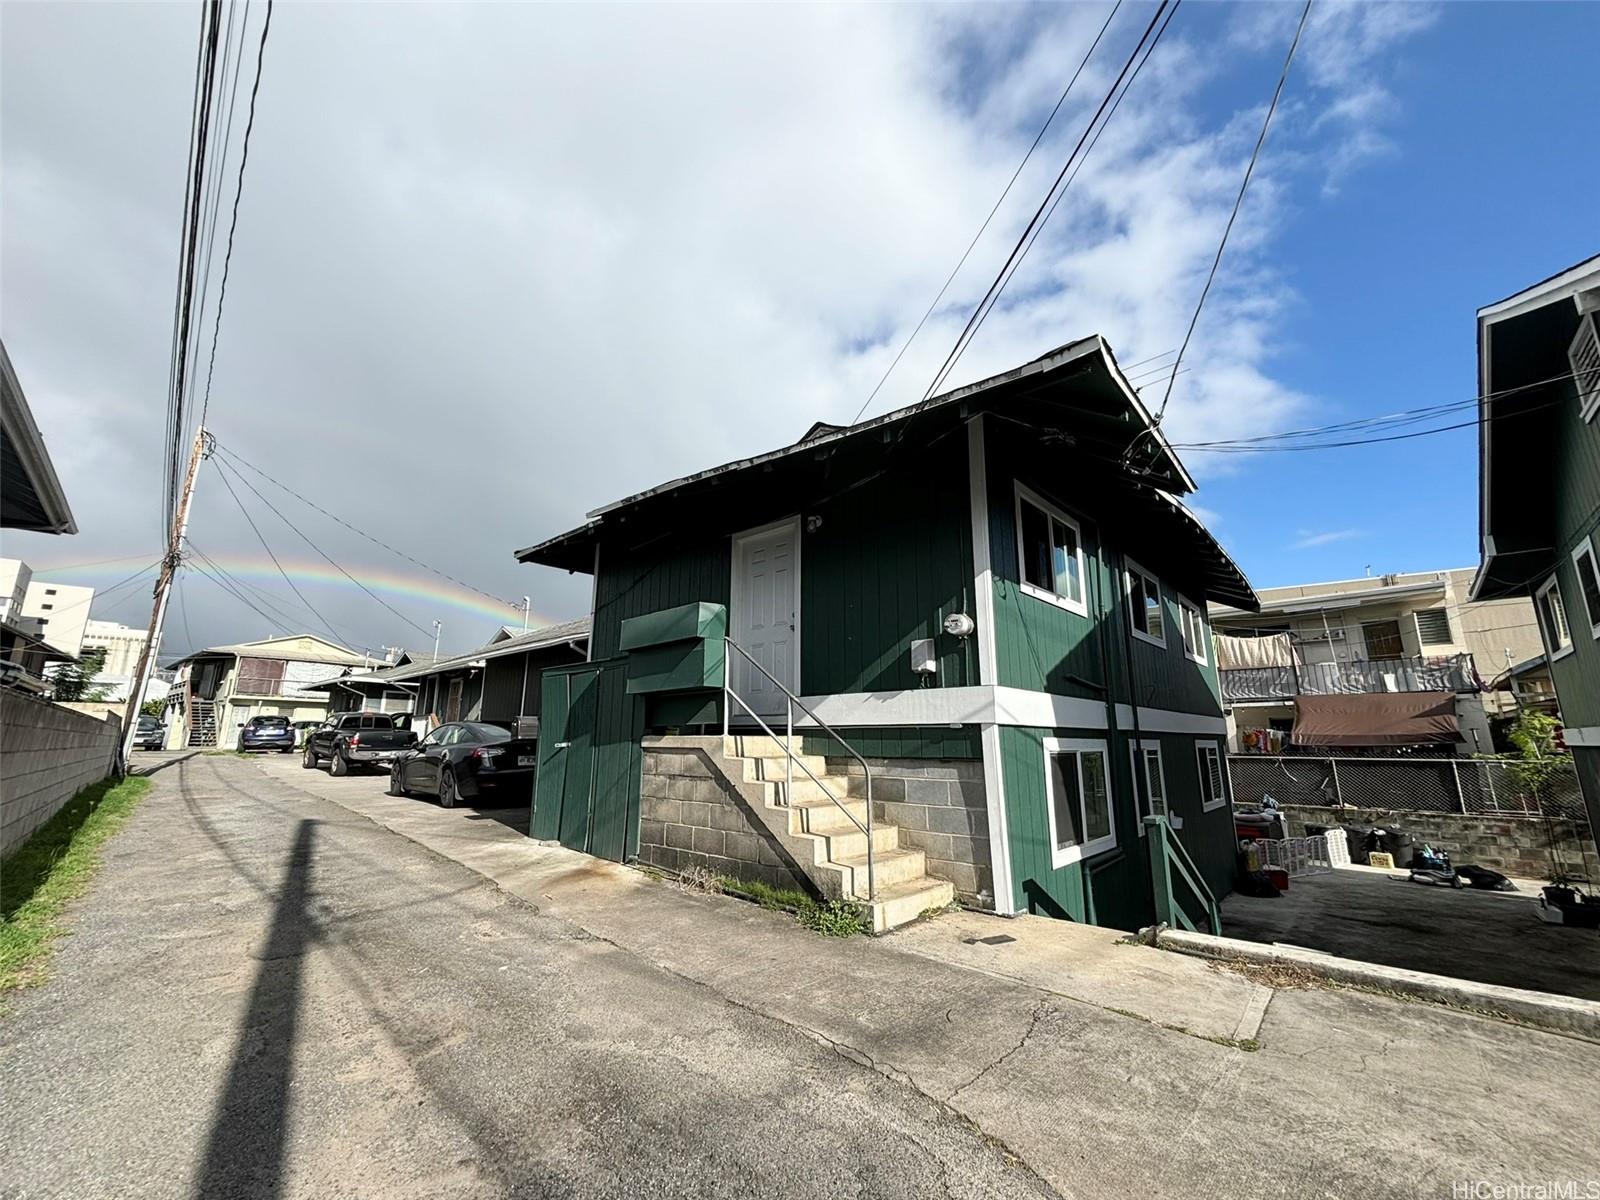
column 47, row 753
column 1519, row 846
column 694, row 811
column 940, row 808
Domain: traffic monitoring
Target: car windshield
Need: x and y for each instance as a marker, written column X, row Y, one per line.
column 149, row 723
column 270, row 722
column 476, row 731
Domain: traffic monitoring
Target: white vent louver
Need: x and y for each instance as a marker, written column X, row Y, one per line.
column 1584, row 355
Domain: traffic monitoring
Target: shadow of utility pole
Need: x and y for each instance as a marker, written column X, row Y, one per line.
column 245, row 1150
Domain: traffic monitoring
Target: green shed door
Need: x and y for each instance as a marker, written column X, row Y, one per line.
column 587, row 796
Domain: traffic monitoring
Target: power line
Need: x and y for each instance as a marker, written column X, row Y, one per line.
column 306, row 538
column 991, row 296
column 260, row 537
column 1227, row 229
column 971, row 245
column 227, row 258
column 234, row 457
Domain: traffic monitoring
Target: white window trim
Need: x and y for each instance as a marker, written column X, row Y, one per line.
column 1554, row 651
column 1588, row 329
column 1205, row 776
column 1136, row 747
column 1202, row 630
column 1585, row 547
column 1065, row 856
column 1021, row 492
column 1130, row 568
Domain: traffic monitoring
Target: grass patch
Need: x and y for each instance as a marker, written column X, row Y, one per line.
column 831, row 918
column 54, row 865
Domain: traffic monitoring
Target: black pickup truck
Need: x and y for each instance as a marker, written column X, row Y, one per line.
column 357, row 740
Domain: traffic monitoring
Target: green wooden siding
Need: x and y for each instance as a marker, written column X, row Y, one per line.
column 900, row 741
column 1575, row 446
column 664, row 574
column 1040, row 646
column 887, row 563
column 1112, row 888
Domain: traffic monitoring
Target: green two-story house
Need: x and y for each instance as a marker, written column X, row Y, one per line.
column 992, row 603
column 1539, row 467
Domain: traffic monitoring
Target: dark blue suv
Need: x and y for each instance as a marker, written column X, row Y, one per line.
column 267, row 733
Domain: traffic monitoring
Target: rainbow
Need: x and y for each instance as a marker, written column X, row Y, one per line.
column 420, row 595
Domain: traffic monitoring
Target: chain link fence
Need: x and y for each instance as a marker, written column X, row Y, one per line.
column 1442, row 785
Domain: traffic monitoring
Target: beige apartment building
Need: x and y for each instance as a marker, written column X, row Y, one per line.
column 1389, row 663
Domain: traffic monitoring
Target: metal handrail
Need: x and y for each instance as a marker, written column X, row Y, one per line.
column 791, row 703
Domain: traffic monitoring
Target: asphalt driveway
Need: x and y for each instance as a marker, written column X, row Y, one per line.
column 270, row 994
column 1382, row 917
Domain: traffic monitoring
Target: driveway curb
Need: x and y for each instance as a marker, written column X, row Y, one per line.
column 1564, row 1014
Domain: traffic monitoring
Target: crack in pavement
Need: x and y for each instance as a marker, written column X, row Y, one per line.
column 1041, row 1010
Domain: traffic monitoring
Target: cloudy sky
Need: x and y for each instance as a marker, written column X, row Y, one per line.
column 499, row 265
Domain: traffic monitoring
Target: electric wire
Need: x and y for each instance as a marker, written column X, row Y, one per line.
column 234, row 457
column 1039, row 137
column 985, row 305
column 293, row 587
column 330, row 560
column 233, row 225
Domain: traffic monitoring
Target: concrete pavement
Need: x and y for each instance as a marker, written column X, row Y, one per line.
column 437, row 1016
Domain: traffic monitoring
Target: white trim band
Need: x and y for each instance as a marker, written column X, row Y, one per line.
column 985, row 705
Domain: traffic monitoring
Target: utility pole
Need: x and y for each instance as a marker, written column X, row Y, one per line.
column 527, row 603
column 436, row 628
column 203, row 443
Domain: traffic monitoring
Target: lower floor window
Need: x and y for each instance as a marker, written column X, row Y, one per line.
column 1078, row 792
column 1213, row 790
column 1149, row 781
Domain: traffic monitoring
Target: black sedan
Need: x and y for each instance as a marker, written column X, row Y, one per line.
column 266, row 733
column 467, row 761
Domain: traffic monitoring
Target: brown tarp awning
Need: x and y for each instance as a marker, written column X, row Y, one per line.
column 1381, row 719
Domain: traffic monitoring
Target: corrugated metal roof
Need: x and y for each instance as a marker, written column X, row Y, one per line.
column 534, row 639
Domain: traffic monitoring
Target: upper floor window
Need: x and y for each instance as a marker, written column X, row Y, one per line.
column 1433, row 627
column 1213, row 789
column 1079, row 794
column 1194, row 631
column 1553, row 618
column 1050, row 553
column 1382, row 639
column 1584, row 355
column 1144, row 604
column 1588, row 583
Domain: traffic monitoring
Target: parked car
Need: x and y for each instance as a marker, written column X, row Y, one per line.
column 151, row 734
column 302, row 730
column 266, row 733
column 356, row 740
column 467, row 760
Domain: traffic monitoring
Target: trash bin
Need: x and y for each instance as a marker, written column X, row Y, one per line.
column 1356, row 837
column 1400, row 844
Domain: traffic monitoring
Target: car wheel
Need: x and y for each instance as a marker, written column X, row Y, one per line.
column 308, row 760
column 447, row 789
column 337, row 767
column 396, row 787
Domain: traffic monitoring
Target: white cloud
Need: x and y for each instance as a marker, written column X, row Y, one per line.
column 1306, row 539
column 498, row 265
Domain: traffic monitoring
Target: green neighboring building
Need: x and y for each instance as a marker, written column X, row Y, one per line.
column 995, row 598
column 1539, row 465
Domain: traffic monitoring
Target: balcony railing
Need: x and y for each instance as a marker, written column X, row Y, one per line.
column 1452, row 674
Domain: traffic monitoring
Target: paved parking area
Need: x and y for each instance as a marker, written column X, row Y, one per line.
column 1378, row 917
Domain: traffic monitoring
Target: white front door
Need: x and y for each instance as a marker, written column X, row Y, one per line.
column 766, row 615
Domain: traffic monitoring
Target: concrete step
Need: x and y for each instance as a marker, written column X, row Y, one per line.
column 807, row 789
column 901, row 903
column 776, row 770
column 852, row 843
column 824, row 817
column 890, row 867
column 750, row 745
